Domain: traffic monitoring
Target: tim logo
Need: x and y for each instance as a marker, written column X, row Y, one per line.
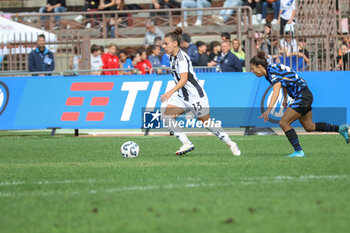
column 278, row 109
column 83, row 88
column 151, row 120
column 4, row 96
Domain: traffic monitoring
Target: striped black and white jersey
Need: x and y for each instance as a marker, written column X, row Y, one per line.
column 181, row 63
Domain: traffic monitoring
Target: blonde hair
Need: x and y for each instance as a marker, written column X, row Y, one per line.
column 239, row 46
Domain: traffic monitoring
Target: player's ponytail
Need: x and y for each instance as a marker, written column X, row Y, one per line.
column 259, row 59
column 175, row 35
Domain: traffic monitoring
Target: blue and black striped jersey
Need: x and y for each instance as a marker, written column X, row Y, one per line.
column 288, row 78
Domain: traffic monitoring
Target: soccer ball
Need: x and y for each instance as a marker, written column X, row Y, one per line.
column 130, row 149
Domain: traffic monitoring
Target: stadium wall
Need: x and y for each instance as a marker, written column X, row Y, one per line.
column 118, row 101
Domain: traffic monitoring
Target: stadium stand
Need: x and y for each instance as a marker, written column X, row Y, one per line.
column 321, row 23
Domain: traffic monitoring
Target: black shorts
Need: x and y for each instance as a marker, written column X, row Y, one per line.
column 302, row 103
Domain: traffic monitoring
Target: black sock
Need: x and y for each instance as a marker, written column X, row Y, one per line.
column 293, row 139
column 325, row 127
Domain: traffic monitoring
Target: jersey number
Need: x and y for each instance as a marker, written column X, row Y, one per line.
column 197, row 107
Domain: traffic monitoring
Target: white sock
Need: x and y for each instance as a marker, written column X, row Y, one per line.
column 177, row 131
column 221, row 134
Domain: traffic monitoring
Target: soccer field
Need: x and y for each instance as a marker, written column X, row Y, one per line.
column 67, row 184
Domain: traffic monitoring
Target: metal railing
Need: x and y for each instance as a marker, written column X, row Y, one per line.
column 104, row 22
column 98, row 72
column 74, row 43
column 304, row 52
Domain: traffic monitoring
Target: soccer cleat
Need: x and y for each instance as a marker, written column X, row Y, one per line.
column 344, row 131
column 297, row 154
column 185, row 148
column 235, row 150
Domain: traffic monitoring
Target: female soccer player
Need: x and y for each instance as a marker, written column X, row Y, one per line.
column 190, row 95
column 281, row 76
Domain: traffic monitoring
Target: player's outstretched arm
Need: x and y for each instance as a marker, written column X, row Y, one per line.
column 275, row 94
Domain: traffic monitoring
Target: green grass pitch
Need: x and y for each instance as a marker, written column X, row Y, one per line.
column 66, row 184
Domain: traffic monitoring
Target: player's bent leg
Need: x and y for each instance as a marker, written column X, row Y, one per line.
column 170, row 115
column 222, row 135
column 306, row 122
column 288, row 118
column 309, row 126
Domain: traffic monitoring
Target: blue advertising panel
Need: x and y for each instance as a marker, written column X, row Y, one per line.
column 118, row 101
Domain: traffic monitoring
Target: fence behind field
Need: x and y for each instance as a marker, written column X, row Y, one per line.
column 105, row 24
column 74, row 39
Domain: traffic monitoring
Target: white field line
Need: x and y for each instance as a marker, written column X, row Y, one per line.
column 231, row 182
column 92, row 181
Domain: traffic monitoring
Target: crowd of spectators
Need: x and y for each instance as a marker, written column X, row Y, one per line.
column 225, row 56
column 283, row 11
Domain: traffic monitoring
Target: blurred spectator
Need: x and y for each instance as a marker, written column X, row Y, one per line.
column 265, row 42
column 237, row 50
column 226, row 13
column 152, row 32
column 203, row 58
column 41, row 59
column 256, row 19
column 110, row 60
column 144, row 65
column 346, row 40
column 90, row 5
column 125, row 62
column 303, row 52
column 215, row 53
column 288, row 44
column 135, row 58
column 164, row 4
column 53, row 6
column 102, row 49
column 96, row 60
column 286, row 14
column 122, row 17
column 164, row 61
column 75, row 60
column 122, row 20
column 228, row 62
column 190, row 48
column 185, row 4
column 159, row 42
column 154, row 57
column 106, row 5
column 344, row 58
column 276, row 8
column 225, row 36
